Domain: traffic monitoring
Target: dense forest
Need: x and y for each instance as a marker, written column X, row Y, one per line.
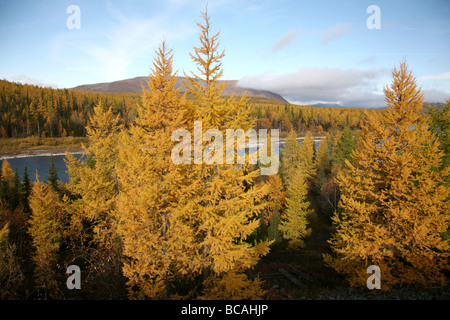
column 139, row 226
column 28, row 110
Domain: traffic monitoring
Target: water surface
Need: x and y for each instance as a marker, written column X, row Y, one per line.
column 40, row 164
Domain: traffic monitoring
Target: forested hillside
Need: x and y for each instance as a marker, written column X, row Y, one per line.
column 27, row 110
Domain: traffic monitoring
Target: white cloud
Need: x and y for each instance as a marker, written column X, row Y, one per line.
column 436, row 90
column 286, row 39
column 442, row 76
column 124, row 43
column 23, row 78
column 336, row 31
column 309, row 85
column 435, row 95
column 111, row 53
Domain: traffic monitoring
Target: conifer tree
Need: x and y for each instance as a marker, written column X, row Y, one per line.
column 11, row 275
column 9, row 188
column 344, row 148
column 273, row 231
column 394, row 203
column 52, row 178
column 322, row 156
column 7, row 178
column 306, row 158
column 14, row 191
column 46, row 233
column 157, row 244
column 294, row 223
column 94, row 181
column 26, row 190
column 318, row 187
column 275, row 199
column 12, row 211
column 440, row 126
column 290, row 158
column 92, row 204
column 275, row 204
column 205, row 85
column 224, row 208
column 4, row 232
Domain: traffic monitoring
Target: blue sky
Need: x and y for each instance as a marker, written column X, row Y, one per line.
column 307, row 51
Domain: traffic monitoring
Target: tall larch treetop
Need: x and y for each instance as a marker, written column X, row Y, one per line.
column 225, row 206
column 161, row 97
column 204, row 84
column 156, row 242
column 394, row 202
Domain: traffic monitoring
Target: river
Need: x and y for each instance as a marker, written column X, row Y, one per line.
column 40, row 164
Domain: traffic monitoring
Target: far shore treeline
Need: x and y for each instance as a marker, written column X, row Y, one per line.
column 33, row 111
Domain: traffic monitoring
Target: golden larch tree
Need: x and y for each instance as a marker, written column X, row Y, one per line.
column 275, row 199
column 394, row 205
column 154, row 192
column 294, row 221
column 92, row 202
column 226, row 206
column 322, row 155
column 94, row 179
column 47, row 232
column 290, row 158
column 204, row 84
column 7, row 173
column 306, row 157
column 11, row 275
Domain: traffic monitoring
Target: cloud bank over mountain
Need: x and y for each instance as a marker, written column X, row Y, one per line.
column 309, row 85
column 346, row 87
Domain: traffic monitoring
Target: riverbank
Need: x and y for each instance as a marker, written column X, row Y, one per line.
column 35, row 146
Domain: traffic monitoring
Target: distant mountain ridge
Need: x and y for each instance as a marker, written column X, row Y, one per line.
column 135, row 85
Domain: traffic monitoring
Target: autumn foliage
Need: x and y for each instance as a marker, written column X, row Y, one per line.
column 142, row 226
column 394, row 204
